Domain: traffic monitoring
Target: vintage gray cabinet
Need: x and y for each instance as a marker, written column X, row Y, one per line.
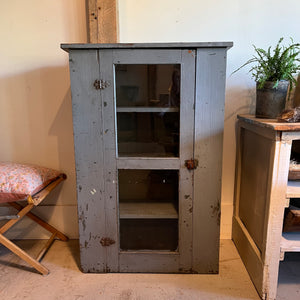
column 148, row 128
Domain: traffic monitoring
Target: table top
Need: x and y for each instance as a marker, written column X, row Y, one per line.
column 270, row 123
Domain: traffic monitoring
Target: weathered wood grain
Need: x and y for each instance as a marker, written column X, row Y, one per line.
column 254, row 173
column 152, row 261
column 249, row 253
column 146, row 56
column 193, row 45
column 264, row 151
column 108, row 139
column 270, row 123
column 208, row 139
column 201, row 130
column 148, row 109
column 275, row 211
column 186, row 183
column 103, row 21
column 148, row 163
column 144, row 210
column 89, row 149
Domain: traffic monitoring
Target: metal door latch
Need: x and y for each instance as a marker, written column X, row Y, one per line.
column 101, row 84
column 191, row 164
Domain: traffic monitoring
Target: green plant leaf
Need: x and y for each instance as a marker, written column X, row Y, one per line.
column 280, row 64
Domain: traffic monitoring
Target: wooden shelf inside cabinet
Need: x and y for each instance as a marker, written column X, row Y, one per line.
column 142, row 210
column 293, row 189
column 148, row 109
column 290, row 242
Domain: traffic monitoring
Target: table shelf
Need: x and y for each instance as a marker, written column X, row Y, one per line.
column 293, row 189
column 290, row 242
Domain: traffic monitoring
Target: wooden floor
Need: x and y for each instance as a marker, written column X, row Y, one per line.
column 66, row 281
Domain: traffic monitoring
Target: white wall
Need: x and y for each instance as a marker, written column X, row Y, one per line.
column 35, row 102
column 259, row 22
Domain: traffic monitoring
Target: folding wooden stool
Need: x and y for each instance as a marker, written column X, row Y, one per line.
column 23, row 182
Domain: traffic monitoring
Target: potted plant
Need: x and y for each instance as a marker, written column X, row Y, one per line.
column 274, row 75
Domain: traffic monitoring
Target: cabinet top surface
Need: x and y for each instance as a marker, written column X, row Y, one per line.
column 270, row 123
column 227, row 45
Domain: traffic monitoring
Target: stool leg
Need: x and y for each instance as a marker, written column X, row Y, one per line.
column 23, row 255
column 46, row 247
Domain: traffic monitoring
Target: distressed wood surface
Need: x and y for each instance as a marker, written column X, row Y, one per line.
column 225, row 45
column 89, row 149
column 187, row 61
column 270, row 123
column 238, row 161
column 108, row 134
column 103, row 21
column 249, row 253
column 261, row 225
column 208, row 137
column 152, row 261
column 143, row 210
column 254, row 173
column 97, row 162
column 148, row 109
column 146, row 56
column 148, row 163
column 186, row 182
column 266, row 132
column 275, row 207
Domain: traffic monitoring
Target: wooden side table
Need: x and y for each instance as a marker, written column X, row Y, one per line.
column 262, row 191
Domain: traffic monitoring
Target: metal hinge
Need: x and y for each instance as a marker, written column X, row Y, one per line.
column 101, row 84
column 106, row 241
column 191, row 164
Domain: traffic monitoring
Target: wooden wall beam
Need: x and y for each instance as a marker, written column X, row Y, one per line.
column 102, row 21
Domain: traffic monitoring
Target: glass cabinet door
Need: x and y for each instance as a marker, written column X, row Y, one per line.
column 154, row 106
column 148, row 121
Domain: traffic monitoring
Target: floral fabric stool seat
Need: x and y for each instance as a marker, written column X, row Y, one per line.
column 30, row 184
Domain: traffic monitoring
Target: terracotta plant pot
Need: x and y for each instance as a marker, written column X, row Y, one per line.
column 270, row 102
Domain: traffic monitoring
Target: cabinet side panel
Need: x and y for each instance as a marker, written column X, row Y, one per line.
column 87, row 124
column 254, row 184
column 209, row 127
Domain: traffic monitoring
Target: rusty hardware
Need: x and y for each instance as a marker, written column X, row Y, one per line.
column 106, row 241
column 101, row 84
column 191, row 164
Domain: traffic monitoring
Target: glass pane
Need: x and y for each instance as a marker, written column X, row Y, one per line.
column 148, row 134
column 148, row 185
column 149, row 234
column 147, row 85
column 148, row 203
